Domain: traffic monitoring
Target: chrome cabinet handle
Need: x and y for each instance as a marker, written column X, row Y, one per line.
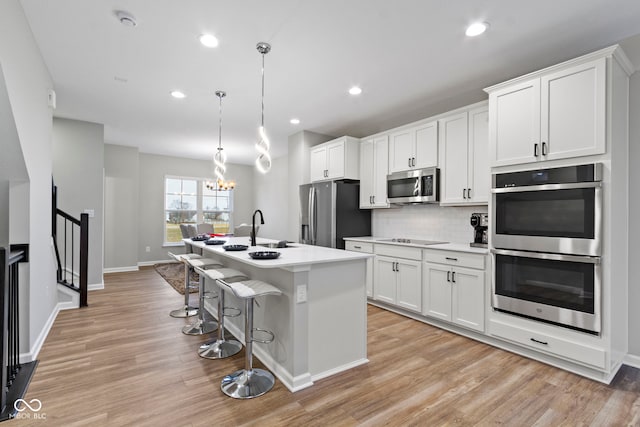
column 453, row 276
column 374, row 200
column 397, row 267
column 357, row 247
column 451, row 259
column 448, row 276
column 468, row 193
column 464, row 193
column 539, row 342
column 535, row 150
column 413, row 161
column 409, row 162
column 544, row 148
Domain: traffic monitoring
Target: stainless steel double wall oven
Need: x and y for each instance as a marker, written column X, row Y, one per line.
column 546, row 237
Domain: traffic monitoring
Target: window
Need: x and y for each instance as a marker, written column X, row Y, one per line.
column 189, row 201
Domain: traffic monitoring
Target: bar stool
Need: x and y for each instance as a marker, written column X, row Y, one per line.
column 220, row 347
column 198, row 261
column 202, row 326
column 249, row 382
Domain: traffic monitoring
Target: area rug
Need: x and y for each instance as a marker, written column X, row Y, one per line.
column 173, row 273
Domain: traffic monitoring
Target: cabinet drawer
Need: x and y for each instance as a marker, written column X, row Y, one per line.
column 359, row 247
column 546, row 343
column 399, row 251
column 459, row 259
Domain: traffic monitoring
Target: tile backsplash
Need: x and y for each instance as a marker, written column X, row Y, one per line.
column 431, row 222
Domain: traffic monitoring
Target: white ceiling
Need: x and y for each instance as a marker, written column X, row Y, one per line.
column 411, row 58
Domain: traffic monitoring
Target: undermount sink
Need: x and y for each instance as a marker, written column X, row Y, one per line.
column 279, row 245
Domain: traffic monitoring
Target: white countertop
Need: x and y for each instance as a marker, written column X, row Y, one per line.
column 295, row 255
column 458, row 247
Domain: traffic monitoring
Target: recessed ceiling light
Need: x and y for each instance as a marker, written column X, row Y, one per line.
column 126, row 18
column 294, row 121
column 178, row 94
column 209, row 40
column 355, row 90
column 476, row 29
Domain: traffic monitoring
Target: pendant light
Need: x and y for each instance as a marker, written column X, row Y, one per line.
column 263, row 162
column 220, row 158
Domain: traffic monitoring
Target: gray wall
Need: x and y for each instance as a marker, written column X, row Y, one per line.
column 153, row 169
column 272, row 201
column 298, row 170
column 121, row 183
column 634, row 215
column 27, row 81
column 78, row 163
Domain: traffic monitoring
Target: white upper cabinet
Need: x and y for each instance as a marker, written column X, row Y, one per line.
column 335, row 159
column 374, row 166
column 464, row 161
column 559, row 114
column 414, row 148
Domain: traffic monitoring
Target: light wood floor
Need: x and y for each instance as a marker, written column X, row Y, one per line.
column 124, row 361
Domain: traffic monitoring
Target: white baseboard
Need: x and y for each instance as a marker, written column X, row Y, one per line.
column 95, row 286
column 37, row 345
column 119, row 269
column 632, row 360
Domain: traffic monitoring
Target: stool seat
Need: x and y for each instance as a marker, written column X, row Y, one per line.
column 228, row 274
column 183, row 257
column 204, row 263
column 252, row 289
column 248, row 383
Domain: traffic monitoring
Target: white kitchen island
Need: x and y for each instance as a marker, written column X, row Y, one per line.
column 319, row 321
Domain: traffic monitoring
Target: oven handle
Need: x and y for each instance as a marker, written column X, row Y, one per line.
column 551, row 257
column 547, row 187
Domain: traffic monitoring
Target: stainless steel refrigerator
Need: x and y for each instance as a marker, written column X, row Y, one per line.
column 329, row 211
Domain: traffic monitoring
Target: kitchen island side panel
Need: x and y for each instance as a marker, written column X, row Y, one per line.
column 337, row 317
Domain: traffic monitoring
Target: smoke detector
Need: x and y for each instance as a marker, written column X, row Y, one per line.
column 126, row 18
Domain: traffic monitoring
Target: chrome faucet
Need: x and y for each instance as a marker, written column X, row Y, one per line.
column 253, row 225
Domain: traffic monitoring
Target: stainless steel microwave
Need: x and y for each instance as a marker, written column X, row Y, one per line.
column 414, row 186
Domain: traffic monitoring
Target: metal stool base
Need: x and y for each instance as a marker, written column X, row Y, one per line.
column 185, row 311
column 200, row 328
column 220, row 349
column 245, row 384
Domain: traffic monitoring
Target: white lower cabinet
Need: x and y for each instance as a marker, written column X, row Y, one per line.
column 452, row 292
column 366, row 248
column 398, row 281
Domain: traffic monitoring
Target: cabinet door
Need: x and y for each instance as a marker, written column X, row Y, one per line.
column 367, row 173
column 426, row 137
column 514, row 123
column 381, row 169
column 401, row 150
column 335, row 159
column 437, row 298
column 479, row 171
column 468, row 298
column 384, row 280
column 574, row 111
column 453, row 146
column 318, row 163
column 409, row 284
